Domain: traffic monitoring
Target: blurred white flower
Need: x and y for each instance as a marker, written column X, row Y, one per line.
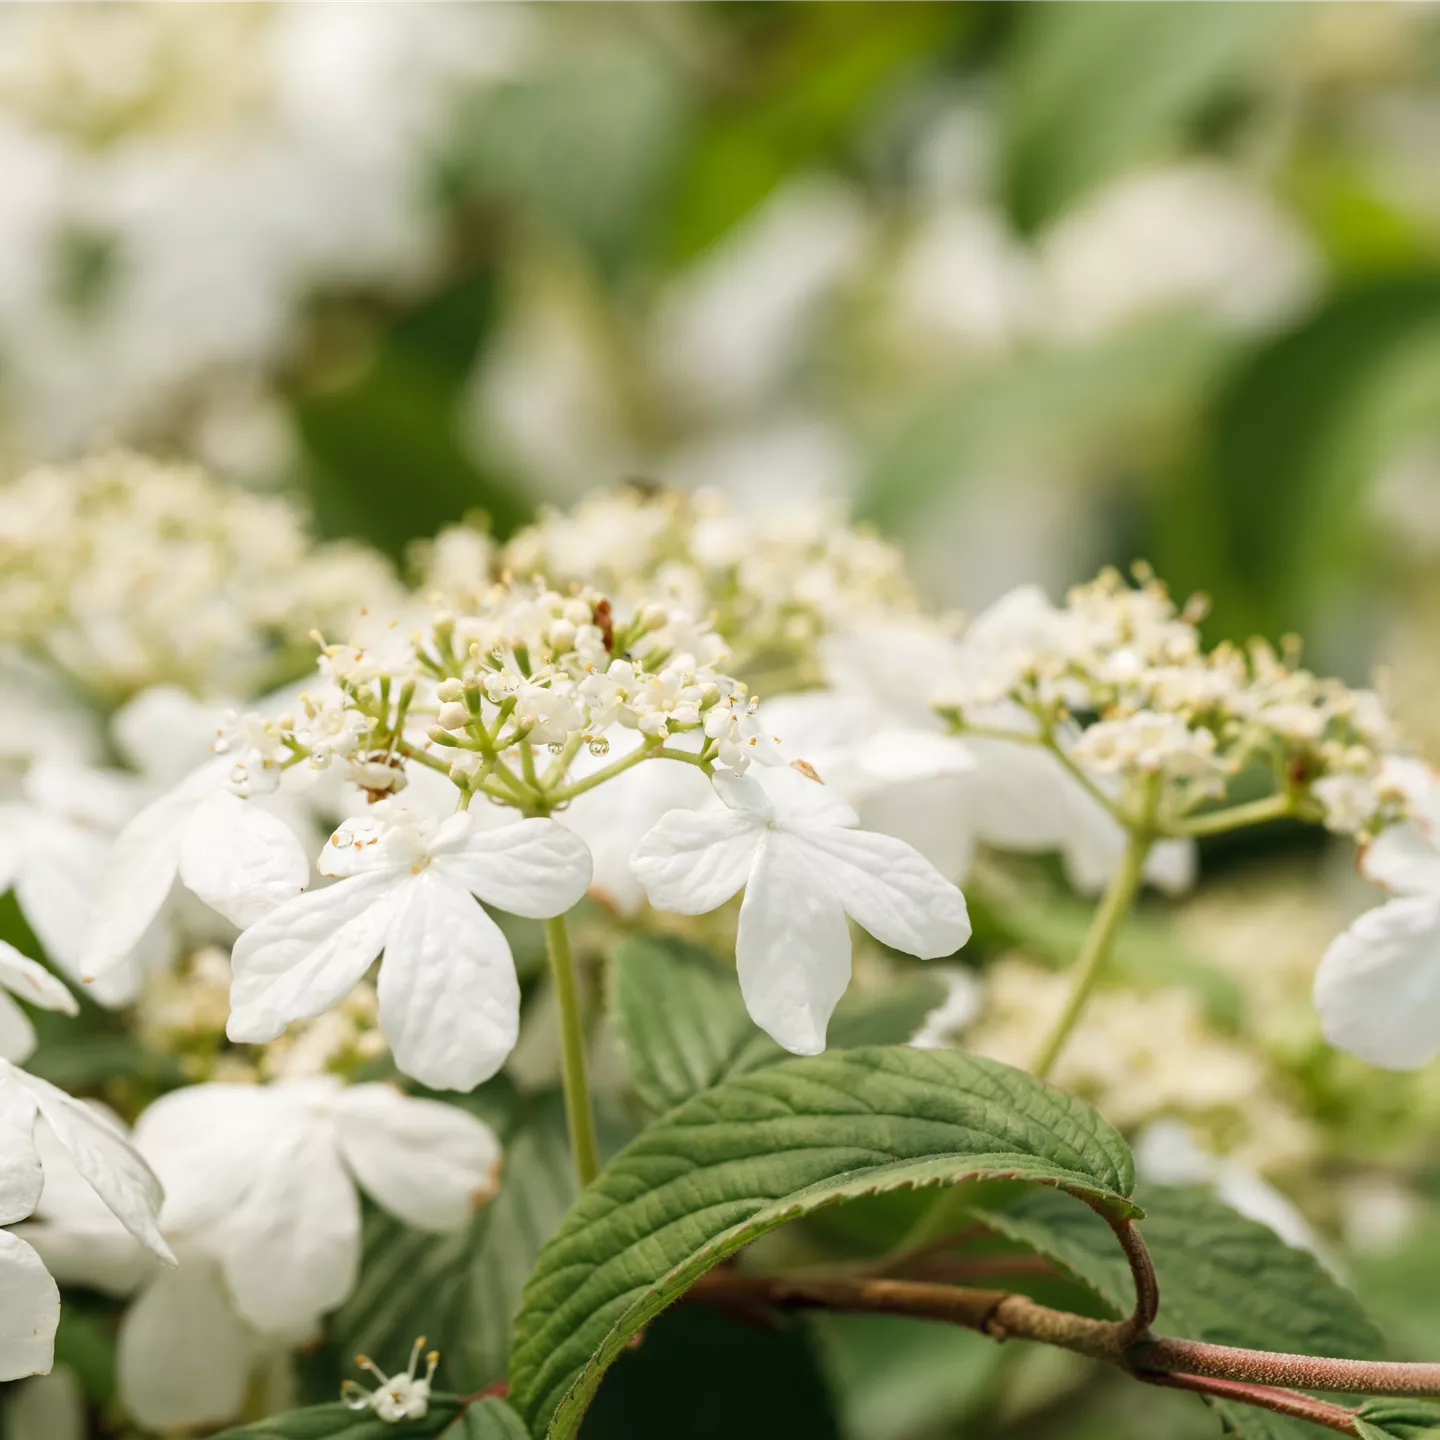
column 792, row 843
column 1192, row 236
column 449, row 1000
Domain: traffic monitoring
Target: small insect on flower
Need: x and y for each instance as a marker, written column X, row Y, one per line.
column 399, row 1397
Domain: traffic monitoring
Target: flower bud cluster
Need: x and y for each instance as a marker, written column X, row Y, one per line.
column 129, row 572
column 1120, row 678
column 772, row 581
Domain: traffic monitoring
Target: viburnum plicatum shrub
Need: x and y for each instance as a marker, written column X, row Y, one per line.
column 304, row 830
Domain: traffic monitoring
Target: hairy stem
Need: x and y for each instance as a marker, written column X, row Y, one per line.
column 1099, row 941
column 1264, row 1367
column 578, row 1114
column 1264, row 1397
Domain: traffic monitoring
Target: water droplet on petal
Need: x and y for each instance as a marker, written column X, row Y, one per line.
column 599, row 745
column 555, row 747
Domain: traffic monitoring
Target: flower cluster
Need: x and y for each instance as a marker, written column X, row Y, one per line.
column 772, row 581
column 128, row 573
column 1119, row 680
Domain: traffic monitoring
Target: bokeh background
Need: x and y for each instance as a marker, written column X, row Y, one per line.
column 1030, row 288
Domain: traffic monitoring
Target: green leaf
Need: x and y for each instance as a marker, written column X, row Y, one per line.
column 447, row 1419
column 462, row 1291
column 783, row 1395
column 682, row 1025
column 1267, row 522
column 1094, row 88
column 1223, row 1278
column 1397, row 1420
column 764, row 1149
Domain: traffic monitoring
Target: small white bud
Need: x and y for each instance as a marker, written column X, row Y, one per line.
column 453, row 716
column 450, row 690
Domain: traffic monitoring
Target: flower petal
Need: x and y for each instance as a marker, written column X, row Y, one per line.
column 307, row 955
column 22, row 1178
column 694, row 861
column 48, row 1407
column 1404, row 859
column 240, row 859
column 33, row 983
column 136, row 881
column 535, row 868
column 55, row 887
column 890, row 889
column 30, row 1313
column 291, row 1249
column 1378, row 985
column 427, row 1162
column 17, row 1034
column 110, row 1165
column 184, row 1356
column 449, row 999
column 792, row 949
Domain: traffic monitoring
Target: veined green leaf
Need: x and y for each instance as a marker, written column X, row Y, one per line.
column 682, row 1025
column 447, row 1419
column 1397, row 1420
column 767, row 1148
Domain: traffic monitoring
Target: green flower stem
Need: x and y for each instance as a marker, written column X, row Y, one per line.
column 578, row 1115
column 1099, row 941
column 1236, row 817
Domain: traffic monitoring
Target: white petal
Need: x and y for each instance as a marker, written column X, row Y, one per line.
column 1171, row 866
column 183, row 1357
column 108, row 1162
column 1403, row 859
column 105, row 799
column 291, row 1250
column 136, row 881
column 17, row 1034
column 792, row 949
column 931, row 815
column 535, row 868
column 165, row 732
column 207, row 1144
column 693, row 861
column 425, row 1161
column 896, row 755
column 1378, row 985
column 240, row 859
column 56, row 884
column 449, row 1000
column 29, row 1314
column 890, row 889
column 614, row 818
column 307, row 955
column 794, row 796
column 22, row 1178
column 33, row 983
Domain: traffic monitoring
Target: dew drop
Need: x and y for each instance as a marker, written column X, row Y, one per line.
column 555, row 747
column 599, row 746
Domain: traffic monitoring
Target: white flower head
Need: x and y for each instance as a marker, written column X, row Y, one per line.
column 408, row 886
column 405, row 1396
column 792, row 843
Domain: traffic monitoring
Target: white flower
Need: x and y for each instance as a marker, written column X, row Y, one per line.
column 1378, row 985
column 32, row 982
column 261, row 1206
column 792, row 844
column 449, row 1000
column 108, row 1165
column 400, row 1397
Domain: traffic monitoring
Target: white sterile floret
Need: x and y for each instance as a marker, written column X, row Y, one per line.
column 1378, row 985
column 109, row 1166
column 408, row 885
column 792, row 843
column 261, row 1206
column 405, row 1396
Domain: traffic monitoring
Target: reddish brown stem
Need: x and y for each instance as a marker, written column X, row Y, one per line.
column 1142, row 1270
column 1264, row 1367
column 1264, row 1397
